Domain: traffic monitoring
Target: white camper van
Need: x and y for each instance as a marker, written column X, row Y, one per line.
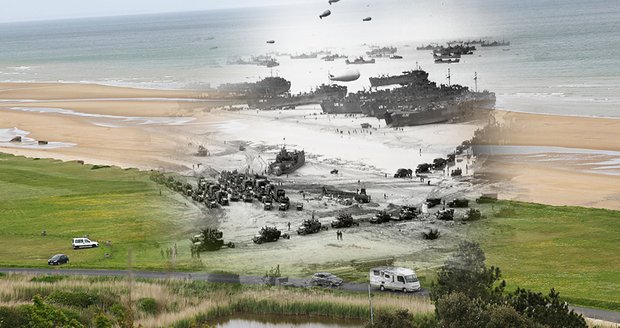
column 394, row 278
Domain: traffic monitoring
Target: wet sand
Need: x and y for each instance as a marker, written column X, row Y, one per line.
column 571, row 178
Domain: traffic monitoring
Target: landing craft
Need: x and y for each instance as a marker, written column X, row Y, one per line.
column 271, row 42
column 332, row 1
column 325, row 14
column 347, row 76
column 367, row 19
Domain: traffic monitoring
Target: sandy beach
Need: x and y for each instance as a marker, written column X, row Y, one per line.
column 166, row 134
column 561, row 160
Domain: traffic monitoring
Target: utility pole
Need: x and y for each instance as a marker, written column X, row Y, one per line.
column 372, row 316
column 476, row 80
column 448, row 77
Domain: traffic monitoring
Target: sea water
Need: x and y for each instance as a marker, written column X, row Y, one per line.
column 561, row 60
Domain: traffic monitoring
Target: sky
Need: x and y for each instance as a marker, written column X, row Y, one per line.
column 29, row 10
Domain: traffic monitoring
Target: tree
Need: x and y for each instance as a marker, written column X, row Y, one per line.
column 548, row 310
column 466, row 272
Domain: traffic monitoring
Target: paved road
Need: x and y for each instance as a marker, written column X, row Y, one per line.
column 610, row 316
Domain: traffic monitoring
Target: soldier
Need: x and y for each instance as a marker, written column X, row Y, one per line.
column 289, row 226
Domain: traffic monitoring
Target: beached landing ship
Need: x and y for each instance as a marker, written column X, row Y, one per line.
column 287, row 162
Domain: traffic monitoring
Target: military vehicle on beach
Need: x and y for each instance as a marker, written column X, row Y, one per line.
column 445, row 215
column 344, row 220
column 310, row 226
column 267, row 235
column 381, row 217
column 458, row 203
column 209, row 240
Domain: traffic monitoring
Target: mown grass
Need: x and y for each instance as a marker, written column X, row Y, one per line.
column 572, row 249
column 68, row 200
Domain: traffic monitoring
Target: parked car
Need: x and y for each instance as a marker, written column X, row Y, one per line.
column 83, row 242
column 326, row 279
column 58, row 259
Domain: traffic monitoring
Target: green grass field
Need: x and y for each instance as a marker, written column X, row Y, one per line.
column 572, row 249
column 69, row 200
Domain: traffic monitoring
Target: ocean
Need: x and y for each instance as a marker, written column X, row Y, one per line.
column 562, row 58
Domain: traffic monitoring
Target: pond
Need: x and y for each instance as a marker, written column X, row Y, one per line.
column 280, row 321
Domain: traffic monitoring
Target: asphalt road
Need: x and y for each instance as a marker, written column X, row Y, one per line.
column 605, row 315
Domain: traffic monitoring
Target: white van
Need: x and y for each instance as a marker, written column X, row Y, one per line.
column 394, row 278
column 83, row 242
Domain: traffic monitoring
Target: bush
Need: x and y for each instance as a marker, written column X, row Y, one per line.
column 548, row 310
column 102, row 321
column 79, row 299
column 42, row 315
column 473, row 215
column 400, row 318
column 148, row 305
column 467, row 273
column 431, row 234
column 11, row 317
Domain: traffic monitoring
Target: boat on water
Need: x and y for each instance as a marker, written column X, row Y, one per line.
column 395, row 56
column 446, row 60
column 360, row 61
column 416, row 101
column 407, row 77
column 495, row 43
column 287, row 162
column 305, row 56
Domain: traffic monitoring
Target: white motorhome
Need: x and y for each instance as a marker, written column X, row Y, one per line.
column 394, row 278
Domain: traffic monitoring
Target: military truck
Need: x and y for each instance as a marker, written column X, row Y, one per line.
column 458, row 203
column 268, row 205
column 344, row 220
column 362, row 197
column 445, row 215
column 267, row 235
column 381, row 217
column 407, row 213
column 209, row 240
column 432, row 202
column 310, row 226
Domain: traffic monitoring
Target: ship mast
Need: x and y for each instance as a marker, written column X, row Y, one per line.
column 448, row 77
column 476, row 80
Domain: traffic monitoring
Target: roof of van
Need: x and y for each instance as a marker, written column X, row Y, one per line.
column 395, row 270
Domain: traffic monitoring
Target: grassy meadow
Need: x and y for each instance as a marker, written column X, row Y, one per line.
column 67, row 200
column 179, row 303
column 572, row 249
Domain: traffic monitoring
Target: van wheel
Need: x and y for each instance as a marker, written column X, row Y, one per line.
column 93, row 246
column 405, row 290
column 382, row 287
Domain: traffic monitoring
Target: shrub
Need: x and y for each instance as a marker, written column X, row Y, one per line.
column 473, row 215
column 148, row 305
column 12, row 317
column 79, row 299
column 102, row 321
column 42, row 315
column 467, row 273
column 400, row 318
column 432, row 234
column 548, row 310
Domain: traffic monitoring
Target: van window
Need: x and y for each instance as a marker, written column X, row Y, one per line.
column 78, row 241
column 400, row 279
column 387, row 276
column 375, row 272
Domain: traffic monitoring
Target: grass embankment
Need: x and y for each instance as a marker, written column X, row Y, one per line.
column 68, row 200
column 572, row 249
column 166, row 303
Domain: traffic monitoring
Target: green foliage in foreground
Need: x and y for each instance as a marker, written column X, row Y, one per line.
column 572, row 249
column 468, row 294
column 67, row 200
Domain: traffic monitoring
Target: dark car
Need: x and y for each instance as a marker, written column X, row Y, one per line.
column 58, row 259
column 325, row 279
